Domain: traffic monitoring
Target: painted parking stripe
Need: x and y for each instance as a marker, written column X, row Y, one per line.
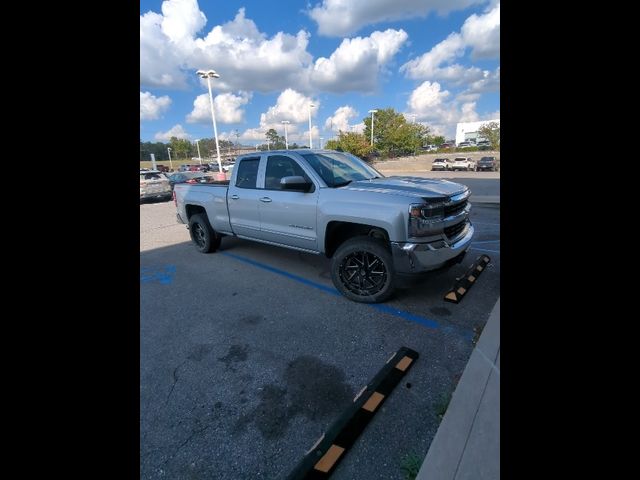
column 484, row 241
column 427, row 322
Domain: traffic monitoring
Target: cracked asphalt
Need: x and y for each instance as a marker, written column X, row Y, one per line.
column 247, row 356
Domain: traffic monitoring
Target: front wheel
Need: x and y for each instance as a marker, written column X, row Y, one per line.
column 362, row 270
column 203, row 236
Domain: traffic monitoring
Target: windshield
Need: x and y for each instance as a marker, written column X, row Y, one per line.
column 338, row 169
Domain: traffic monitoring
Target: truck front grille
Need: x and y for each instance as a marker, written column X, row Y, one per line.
column 451, row 210
column 455, row 230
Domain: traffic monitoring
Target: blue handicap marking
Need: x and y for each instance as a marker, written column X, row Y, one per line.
column 162, row 274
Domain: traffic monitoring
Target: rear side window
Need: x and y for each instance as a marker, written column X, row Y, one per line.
column 247, row 175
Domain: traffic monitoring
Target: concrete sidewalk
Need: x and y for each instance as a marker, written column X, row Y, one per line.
column 467, row 443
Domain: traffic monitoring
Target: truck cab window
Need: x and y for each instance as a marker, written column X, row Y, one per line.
column 279, row 166
column 247, row 175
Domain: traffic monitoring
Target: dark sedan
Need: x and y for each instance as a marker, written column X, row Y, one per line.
column 486, row 163
column 187, row 177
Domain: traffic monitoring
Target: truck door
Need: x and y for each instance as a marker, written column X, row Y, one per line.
column 242, row 199
column 287, row 217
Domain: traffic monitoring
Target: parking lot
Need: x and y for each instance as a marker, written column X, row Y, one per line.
column 249, row 354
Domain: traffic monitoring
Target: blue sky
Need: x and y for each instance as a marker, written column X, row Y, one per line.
column 436, row 61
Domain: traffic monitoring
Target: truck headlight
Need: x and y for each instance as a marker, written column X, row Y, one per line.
column 423, row 218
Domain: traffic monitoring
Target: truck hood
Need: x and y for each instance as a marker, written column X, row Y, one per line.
column 408, row 186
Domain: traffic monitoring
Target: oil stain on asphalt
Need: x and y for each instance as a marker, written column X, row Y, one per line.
column 311, row 388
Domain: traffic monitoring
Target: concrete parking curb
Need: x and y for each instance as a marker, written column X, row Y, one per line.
column 467, row 443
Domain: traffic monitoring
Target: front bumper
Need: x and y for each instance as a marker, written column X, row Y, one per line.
column 424, row 257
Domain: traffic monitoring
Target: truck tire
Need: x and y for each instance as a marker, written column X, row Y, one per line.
column 362, row 270
column 203, row 236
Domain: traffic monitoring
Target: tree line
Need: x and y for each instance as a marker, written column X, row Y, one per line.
column 393, row 136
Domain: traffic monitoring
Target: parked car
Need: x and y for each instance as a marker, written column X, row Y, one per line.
column 154, row 184
column 464, row 144
column 430, row 148
column 213, row 167
column 441, row 164
column 446, row 145
column 162, row 168
column 184, row 168
column 185, row 177
column 487, row 163
column 463, row 163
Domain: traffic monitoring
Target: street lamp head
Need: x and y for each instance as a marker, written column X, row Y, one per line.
column 286, row 122
column 208, row 73
column 373, row 111
column 311, row 105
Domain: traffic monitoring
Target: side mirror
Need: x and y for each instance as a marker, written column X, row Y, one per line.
column 295, row 183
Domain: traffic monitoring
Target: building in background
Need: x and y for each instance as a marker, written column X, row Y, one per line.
column 468, row 132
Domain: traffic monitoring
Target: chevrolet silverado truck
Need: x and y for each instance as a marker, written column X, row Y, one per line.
column 373, row 228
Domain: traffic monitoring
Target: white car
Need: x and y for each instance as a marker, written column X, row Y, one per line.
column 441, row 164
column 154, row 184
column 463, row 163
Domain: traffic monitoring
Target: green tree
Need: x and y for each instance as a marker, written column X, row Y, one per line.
column 181, row 147
column 276, row 142
column 355, row 143
column 437, row 140
column 393, row 135
column 491, row 132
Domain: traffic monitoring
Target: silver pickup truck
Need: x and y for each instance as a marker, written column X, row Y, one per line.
column 325, row 202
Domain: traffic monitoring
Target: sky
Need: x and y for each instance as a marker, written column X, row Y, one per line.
column 435, row 61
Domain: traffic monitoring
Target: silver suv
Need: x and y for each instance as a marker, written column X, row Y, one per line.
column 154, row 184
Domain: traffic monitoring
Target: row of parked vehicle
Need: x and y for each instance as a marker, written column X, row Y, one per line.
column 155, row 184
column 465, row 163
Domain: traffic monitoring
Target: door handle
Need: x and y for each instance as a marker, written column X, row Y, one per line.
column 234, row 197
column 265, row 199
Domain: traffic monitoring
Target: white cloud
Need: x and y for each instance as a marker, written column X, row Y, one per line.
column 490, row 82
column 339, row 121
column 355, row 64
column 160, row 60
column 175, row 131
column 182, row 19
column 481, row 33
column 248, row 60
column 426, row 97
column 431, row 105
column 344, row 17
column 292, row 106
column 245, row 58
column 227, row 108
column 152, row 107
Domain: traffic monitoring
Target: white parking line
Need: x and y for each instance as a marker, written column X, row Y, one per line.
column 486, row 241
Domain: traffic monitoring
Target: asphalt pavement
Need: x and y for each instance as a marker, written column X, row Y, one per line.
column 249, row 354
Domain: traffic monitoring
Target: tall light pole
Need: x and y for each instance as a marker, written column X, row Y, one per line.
column 286, row 139
column 321, row 138
column 209, row 74
column 198, row 145
column 310, row 139
column 170, row 162
column 372, row 112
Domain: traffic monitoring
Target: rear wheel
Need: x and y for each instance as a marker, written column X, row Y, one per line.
column 203, row 236
column 362, row 270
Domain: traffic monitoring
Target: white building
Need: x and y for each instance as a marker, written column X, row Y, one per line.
column 469, row 131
